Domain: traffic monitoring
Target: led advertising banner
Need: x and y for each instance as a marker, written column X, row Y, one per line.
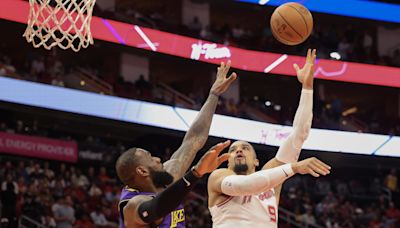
column 164, row 116
column 38, row 147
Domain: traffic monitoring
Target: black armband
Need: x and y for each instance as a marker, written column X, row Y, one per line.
column 167, row 200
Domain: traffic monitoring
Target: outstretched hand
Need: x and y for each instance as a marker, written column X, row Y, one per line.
column 222, row 82
column 305, row 75
column 211, row 160
column 311, row 166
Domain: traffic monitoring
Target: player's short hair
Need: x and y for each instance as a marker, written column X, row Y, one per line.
column 251, row 146
column 126, row 164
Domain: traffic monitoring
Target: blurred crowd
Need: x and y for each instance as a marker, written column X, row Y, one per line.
column 357, row 201
column 57, row 194
column 86, row 194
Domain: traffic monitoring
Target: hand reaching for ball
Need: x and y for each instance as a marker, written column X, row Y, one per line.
column 305, row 75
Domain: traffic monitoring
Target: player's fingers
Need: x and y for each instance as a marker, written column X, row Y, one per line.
column 296, row 67
column 312, row 172
column 222, row 65
column 314, row 55
column 227, row 67
column 231, row 78
column 221, row 146
column 222, row 158
column 226, row 143
column 215, row 146
column 319, row 169
column 323, row 164
column 308, row 53
column 324, row 169
column 209, row 156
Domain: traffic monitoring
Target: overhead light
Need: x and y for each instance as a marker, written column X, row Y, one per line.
column 263, row 2
column 335, row 55
column 277, row 107
column 349, row 111
column 255, row 98
column 268, row 103
column 83, row 83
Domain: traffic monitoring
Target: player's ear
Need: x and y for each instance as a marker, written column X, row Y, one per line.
column 256, row 162
column 142, row 171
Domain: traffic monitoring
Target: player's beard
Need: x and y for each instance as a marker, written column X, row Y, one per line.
column 240, row 168
column 161, row 179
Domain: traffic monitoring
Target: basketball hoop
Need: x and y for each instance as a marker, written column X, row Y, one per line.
column 62, row 23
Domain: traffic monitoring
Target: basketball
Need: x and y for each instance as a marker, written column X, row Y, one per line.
column 291, row 23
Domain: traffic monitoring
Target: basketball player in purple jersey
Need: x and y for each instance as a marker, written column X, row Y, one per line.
column 145, row 201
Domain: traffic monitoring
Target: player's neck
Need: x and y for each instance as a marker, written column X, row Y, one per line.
column 250, row 172
column 145, row 187
column 149, row 189
column 247, row 172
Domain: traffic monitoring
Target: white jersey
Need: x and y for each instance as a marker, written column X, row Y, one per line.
column 246, row 211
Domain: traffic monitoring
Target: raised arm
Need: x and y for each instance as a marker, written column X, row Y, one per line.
column 289, row 151
column 197, row 134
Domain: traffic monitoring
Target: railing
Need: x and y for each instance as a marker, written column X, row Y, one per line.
column 8, row 72
column 357, row 123
column 179, row 97
column 388, row 193
column 257, row 114
column 24, row 220
column 290, row 218
column 394, row 48
column 95, row 82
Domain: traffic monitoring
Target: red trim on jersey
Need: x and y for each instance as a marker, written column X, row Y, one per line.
column 225, row 201
column 246, row 199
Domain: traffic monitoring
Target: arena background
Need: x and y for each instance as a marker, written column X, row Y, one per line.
column 59, row 145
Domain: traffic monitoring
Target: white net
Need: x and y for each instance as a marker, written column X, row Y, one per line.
column 62, row 23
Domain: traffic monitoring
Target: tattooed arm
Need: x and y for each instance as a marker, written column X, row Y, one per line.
column 197, row 134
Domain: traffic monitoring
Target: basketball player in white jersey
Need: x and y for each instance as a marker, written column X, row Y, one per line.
column 241, row 197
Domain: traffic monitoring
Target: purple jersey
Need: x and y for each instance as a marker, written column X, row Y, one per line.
column 174, row 219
